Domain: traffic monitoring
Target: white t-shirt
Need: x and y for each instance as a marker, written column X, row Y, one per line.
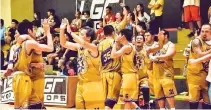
column 191, row 2
column 209, row 73
column 145, row 18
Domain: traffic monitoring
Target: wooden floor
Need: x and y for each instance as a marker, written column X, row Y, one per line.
column 10, row 107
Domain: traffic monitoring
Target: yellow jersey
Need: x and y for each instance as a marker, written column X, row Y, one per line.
column 197, row 71
column 119, row 25
column 88, row 66
column 22, row 60
column 139, row 58
column 107, row 64
column 128, row 62
column 163, row 69
column 147, row 62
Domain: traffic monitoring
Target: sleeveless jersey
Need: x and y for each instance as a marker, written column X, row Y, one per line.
column 88, row 66
column 163, row 69
column 139, row 62
column 107, row 63
column 128, row 64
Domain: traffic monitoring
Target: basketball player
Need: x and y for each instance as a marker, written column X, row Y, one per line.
column 140, row 56
column 128, row 68
column 109, row 68
column 89, row 93
column 28, row 79
column 196, row 74
column 163, row 72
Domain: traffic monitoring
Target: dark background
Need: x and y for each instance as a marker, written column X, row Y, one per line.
column 171, row 13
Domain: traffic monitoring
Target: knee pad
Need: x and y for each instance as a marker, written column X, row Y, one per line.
column 22, row 87
column 110, row 103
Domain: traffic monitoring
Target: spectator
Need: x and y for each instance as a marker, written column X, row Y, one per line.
column 192, row 14
column 77, row 22
column 70, row 68
column 141, row 15
column 37, row 18
column 130, row 21
column 88, row 21
column 2, row 60
column 141, row 28
column 100, row 33
column 109, row 17
column 2, row 32
column 13, row 28
column 53, row 20
column 156, row 7
column 209, row 15
column 62, row 68
column 38, row 30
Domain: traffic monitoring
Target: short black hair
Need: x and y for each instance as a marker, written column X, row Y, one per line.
column 87, row 12
column 166, row 33
column 127, row 33
column 90, row 32
column 2, row 22
column 109, row 7
column 149, row 31
column 143, row 25
column 52, row 11
column 108, row 30
column 15, row 21
column 127, row 8
column 24, row 26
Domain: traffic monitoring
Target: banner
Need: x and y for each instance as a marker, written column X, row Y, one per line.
column 55, row 92
column 97, row 8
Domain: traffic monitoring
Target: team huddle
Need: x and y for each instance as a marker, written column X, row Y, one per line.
column 111, row 69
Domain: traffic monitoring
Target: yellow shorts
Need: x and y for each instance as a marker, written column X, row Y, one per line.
column 89, row 95
column 111, row 85
column 197, row 85
column 164, row 88
column 27, row 91
column 130, row 86
column 150, row 81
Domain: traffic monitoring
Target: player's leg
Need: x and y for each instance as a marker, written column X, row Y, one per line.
column 79, row 101
column 22, row 87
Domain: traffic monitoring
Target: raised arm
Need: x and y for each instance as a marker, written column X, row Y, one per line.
column 118, row 53
column 64, row 43
column 34, row 45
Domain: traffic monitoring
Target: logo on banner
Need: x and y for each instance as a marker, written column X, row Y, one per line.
column 55, row 91
column 97, row 8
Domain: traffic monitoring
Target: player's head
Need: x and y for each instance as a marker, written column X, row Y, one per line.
column 26, row 27
column 125, row 35
column 206, row 32
column 88, row 34
column 148, row 35
column 108, row 30
column 140, row 40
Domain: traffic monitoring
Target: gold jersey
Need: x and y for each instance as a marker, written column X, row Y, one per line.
column 119, row 25
column 139, row 62
column 107, row 63
column 22, row 60
column 196, row 68
column 88, row 66
column 163, row 69
column 147, row 62
column 129, row 62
